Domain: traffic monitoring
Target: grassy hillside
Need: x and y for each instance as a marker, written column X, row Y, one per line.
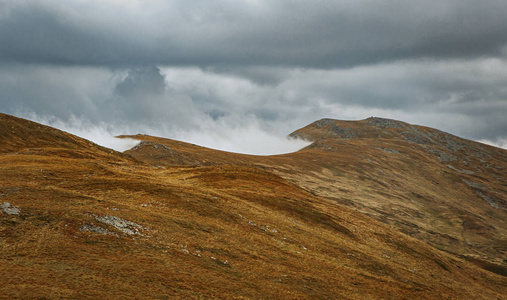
column 443, row 190
column 94, row 223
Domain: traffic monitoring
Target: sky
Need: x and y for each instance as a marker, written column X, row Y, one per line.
column 241, row 75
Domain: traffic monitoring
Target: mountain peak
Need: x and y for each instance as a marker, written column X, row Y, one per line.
column 373, row 127
column 329, row 132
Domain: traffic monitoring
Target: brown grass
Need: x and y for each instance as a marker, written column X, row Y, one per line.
column 235, row 230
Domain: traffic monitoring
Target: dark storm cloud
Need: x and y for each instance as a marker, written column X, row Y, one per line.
column 142, row 82
column 315, row 34
column 142, row 96
column 257, row 65
column 56, row 91
column 261, row 75
column 139, row 95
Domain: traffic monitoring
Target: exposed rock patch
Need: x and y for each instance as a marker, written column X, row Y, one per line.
column 323, row 122
column 468, row 172
column 341, row 132
column 415, row 137
column 151, row 144
column 475, row 185
column 122, row 225
column 444, row 157
column 452, row 143
column 441, row 155
column 488, row 199
column 389, row 150
column 9, row 209
column 384, row 123
column 481, row 191
column 96, row 229
column 335, row 130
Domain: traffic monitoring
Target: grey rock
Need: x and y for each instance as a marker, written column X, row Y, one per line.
column 453, row 143
column 389, row 150
column 9, row 209
column 441, row 155
column 333, row 129
column 444, row 157
column 323, row 122
column 124, row 226
column 468, row 172
column 96, row 229
column 143, row 144
column 415, row 137
column 384, row 123
column 488, row 199
column 475, row 185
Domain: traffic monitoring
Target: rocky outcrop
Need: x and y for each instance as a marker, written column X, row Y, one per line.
column 122, row 225
column 9, row 209
column 384, row 123
column 96, row 229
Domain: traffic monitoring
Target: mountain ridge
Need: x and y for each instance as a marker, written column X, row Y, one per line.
column 182, row 221
column 419, row 175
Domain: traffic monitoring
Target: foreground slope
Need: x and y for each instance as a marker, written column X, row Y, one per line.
column 94, row 223
column 19, row 136
column 446, row 191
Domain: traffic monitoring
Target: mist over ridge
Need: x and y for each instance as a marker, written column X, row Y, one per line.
column 210, row 109
column 441, row 65
column 250, row 139
column 392, row 194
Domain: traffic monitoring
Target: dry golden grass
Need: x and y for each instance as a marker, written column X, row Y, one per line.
column 226, row 230
column 426, row 183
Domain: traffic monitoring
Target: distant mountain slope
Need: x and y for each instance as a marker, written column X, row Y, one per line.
column 161, row 151
column 441, row 189
column 82, row 227
column 445, row 190
column 18, row 135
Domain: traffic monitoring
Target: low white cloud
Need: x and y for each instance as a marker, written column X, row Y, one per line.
column 246, row 137
column 244, row 114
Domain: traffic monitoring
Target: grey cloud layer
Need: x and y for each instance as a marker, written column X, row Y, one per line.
column 315, row 34
column 278, row 64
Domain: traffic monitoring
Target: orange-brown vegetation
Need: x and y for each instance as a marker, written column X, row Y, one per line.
column 173, row 220
column 441, row 189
